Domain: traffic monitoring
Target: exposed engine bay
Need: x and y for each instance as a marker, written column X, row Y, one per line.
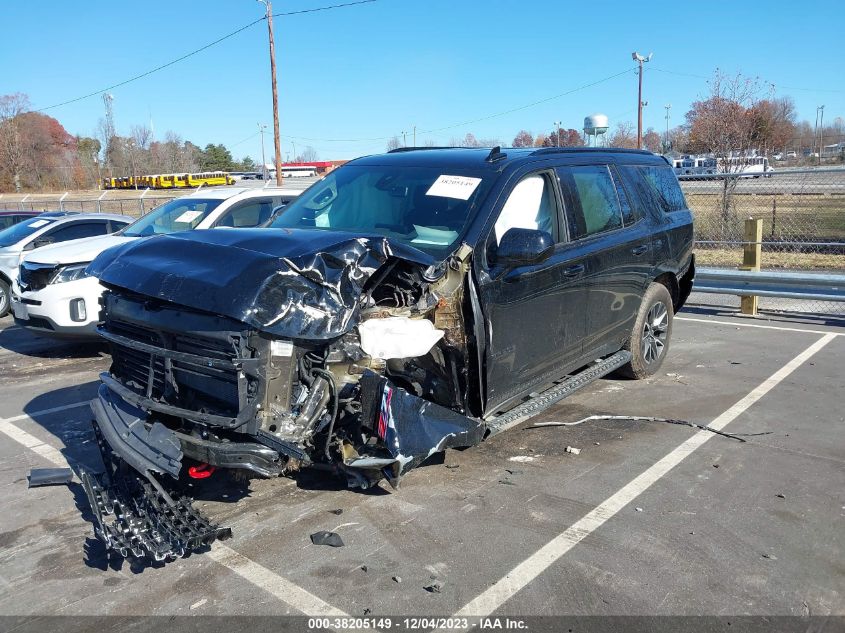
column 368, row 377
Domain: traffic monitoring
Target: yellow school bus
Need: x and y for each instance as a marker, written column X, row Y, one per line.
column 209, row 178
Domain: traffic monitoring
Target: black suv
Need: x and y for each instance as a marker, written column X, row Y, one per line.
column 404, row 304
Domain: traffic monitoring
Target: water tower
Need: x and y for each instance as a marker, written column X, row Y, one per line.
column 595, row 130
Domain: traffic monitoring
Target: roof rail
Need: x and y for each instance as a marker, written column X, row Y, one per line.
column 417, row 149
column 612, row 150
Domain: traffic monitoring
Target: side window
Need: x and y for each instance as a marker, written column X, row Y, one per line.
column 116, row 225
column 659, row 185
column 530, row 205
column 592, row 202
column 75, row 231
column 629, row 214
column 248, row 214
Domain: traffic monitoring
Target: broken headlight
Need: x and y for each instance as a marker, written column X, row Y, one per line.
column 69, row 273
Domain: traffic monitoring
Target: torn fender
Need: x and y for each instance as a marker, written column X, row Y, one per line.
column 293, row 283
column 411, row 428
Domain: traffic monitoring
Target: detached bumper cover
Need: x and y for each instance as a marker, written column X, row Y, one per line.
column 122, row 425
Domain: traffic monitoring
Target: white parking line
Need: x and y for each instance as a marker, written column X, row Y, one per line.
column 521, row 575
column 757, row 325
column 282, row 588
column 36, row 414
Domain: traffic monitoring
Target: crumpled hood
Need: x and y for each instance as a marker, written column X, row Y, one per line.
column 294, row 283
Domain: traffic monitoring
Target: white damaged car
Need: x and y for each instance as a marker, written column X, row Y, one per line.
column 56, row 297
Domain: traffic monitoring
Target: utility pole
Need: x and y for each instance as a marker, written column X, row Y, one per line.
column 415, row 136
column 404, row 140
column 557, row 125
column 668, row 107
column 640, row 60
column 277, row 144
column 261, row 129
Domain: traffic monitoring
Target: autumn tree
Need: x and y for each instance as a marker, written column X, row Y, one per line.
column 652, row 141
column 523, row 139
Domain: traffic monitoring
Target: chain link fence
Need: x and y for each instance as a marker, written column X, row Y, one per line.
column 803, row 215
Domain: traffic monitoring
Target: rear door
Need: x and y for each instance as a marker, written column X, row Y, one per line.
column 618, row 252
column 534, row 315
column 72, row 231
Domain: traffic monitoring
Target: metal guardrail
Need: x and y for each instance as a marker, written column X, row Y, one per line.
column 790, row 285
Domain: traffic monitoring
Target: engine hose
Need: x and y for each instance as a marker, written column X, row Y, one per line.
column 335, row 400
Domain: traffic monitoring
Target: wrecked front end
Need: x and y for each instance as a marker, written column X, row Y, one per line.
column 352, row 357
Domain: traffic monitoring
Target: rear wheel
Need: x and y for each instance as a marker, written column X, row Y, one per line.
column 651, row 334
column 5, row 298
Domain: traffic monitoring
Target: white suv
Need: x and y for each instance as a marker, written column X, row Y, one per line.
column 20, row 240
column 57, row 297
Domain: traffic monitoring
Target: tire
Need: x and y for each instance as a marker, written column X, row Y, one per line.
column 5, row 299
column 651, row 334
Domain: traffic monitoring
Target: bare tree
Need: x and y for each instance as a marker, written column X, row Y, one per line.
column 11, row 146
column 623, row 136
column 394, row 143
column 308, row 155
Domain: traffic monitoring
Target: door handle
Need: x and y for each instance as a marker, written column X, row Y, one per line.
column 573, row 271
column 639, row 250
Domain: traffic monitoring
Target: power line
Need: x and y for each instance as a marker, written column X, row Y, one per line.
column 156, row 69
column 781, row 86
column 464, row 123
column 199, row 50
column 316, row 9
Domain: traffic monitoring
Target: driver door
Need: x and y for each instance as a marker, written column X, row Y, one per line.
column 534, row 314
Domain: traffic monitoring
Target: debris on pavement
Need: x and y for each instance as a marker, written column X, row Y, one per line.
column 637, row 418
column 507, row 482
column 434, row 587
column 638, row 509
column 332, row 539
column 337, row 511
column 573, row 450
column 49, row 477
column 780, row 496
column 397, row 579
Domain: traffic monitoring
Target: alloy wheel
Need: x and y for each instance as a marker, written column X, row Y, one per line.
column 655, row 332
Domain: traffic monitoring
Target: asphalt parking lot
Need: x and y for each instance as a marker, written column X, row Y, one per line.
column 649, row 519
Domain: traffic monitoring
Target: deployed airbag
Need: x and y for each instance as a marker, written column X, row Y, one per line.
column 398, row 337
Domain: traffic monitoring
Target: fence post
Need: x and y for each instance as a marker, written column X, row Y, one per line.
column 141, row 201
column 102, row 195
column 751, row 256
column 62, row 201
column 23, row 200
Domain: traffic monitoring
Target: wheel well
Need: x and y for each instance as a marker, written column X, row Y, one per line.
column 671, row 282
column 5, row 280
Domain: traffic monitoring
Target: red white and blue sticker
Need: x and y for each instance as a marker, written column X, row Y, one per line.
column 385, row 415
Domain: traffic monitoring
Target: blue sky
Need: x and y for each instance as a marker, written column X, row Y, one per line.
column 371, row 71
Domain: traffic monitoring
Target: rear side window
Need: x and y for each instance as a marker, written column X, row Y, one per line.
column 248, row 214
column 592, row 204
column 658, row 185
column 75, row 231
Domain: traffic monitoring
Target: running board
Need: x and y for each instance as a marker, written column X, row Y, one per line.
column 570, row 385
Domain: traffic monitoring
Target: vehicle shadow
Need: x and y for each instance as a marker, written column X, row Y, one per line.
column 21, row 341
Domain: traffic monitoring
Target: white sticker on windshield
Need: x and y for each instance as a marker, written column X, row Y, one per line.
column 39, row 223
column 459, row 187
column 188, row 217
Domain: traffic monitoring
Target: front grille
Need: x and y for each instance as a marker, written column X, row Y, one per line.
column 35, row 276
column 200, row 370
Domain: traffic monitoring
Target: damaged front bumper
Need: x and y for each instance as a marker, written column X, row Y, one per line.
column 139, row 517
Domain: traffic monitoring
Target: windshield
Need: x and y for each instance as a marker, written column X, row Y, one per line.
column 425, row 207
column 22, row 230
column 182, row 214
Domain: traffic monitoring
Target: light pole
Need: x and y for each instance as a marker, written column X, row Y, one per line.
column 668, row 107
column 821, row 135
column 277, row 143
column 404, row 139
column 557, row 125
column 292, row 142
column 640, row 60
column 261, row 129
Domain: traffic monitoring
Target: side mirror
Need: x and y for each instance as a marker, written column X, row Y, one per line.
column 523, row 247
